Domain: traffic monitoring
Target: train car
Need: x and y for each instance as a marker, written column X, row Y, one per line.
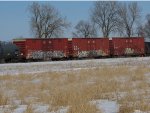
column 42, row 49
column 8, row 52
column 88, row 47
column 126, row 46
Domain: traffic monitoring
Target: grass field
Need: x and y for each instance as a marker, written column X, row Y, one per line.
column 78, row 91
column 120, row 88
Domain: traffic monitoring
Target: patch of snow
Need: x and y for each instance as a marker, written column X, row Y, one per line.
column 37, row 108
column 62, row 110
column 36, row 81
column 20, row 109
column 107, row 106
column 5, row 109
column 41, row 109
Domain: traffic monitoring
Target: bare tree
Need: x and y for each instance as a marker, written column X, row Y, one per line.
column 84, row 29
column 128, row 17
column 147, row 27
column 46, row 21
column 104, row 14
column 140, row 31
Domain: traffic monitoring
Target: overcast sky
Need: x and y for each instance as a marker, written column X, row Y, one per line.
column 15, row 17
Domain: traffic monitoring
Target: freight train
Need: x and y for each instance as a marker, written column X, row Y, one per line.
column 36, row 49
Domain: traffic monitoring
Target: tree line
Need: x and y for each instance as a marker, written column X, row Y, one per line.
column 106, row 17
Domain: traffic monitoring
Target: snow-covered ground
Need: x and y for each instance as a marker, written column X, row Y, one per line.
column 39, row 67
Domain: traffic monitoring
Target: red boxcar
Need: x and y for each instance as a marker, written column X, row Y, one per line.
column 33, row 48
column 88, row 47
column 133, row 46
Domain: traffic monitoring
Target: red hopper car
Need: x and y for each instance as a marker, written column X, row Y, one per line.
column 44, row 49
column 88, row 47
column 133, row 46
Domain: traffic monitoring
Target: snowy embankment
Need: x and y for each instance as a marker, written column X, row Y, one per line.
column 39, row 67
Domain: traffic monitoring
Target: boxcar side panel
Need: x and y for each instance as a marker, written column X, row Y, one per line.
column 90, row 47
column 34, row 49
column 60, row 47
column 128, row 46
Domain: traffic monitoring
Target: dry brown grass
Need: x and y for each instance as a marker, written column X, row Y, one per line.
column 131, row 107
column 83, row 108
column 3, row 99
column 77, row 88
column 138, row 74
column 134, row 100
column 125, row 108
